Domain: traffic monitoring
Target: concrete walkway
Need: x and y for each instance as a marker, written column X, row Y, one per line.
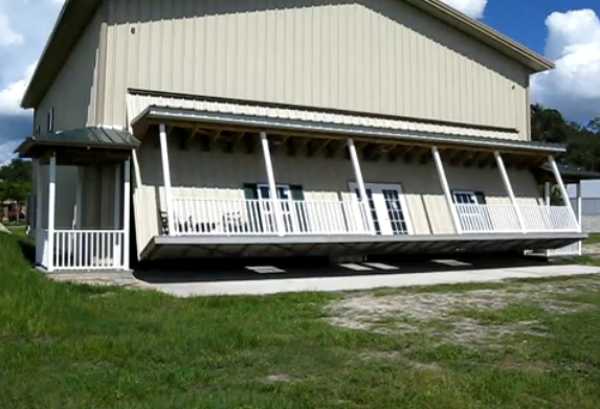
column 366, row 281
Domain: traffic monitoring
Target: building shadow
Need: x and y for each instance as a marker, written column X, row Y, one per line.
column 256, row 269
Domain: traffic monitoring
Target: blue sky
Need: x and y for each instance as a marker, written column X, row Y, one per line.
column 523, row 20
column 566, row 31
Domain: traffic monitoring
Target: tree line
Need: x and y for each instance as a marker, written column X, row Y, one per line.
column 583, row 142
column 15, row 181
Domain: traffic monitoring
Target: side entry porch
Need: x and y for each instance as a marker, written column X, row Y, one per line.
column 82, row 199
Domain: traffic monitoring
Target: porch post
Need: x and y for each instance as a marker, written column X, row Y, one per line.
column 364, row 198
column 117, row 198
column 78, row 200
column 39, row 228
column 580, row 217
column 509, row 190
column 166, row 170
column 446, row 188
column 126, row 212
column 563, row 189
column 547, row 188
column 136, row 169
column 279, row 226
column 51, row 211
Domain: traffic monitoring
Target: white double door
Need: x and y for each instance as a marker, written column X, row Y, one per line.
column 285, row 202
column 388, row 208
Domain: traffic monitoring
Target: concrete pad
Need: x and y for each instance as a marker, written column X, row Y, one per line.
column 366, row 281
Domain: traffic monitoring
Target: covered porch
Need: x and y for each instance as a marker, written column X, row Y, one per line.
column 82, row 199
column 367, row 211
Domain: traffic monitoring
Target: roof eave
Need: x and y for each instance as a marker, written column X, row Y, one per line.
column 72, row 19
column 495, row 39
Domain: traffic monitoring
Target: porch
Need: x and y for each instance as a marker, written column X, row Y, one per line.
column 236, row 185
column 82, row 199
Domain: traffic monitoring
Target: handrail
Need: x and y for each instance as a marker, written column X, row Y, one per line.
column 499, row 218
column 256, row 217
column 88, row 250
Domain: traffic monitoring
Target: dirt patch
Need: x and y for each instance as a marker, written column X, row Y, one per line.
column 100, row 279
column 478, row 317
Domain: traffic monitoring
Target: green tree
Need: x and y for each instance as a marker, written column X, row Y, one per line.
column 583, row 143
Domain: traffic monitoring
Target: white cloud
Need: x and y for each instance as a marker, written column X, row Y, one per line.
column 11, row 95
column 472, row 8
column 7, row 151
column 8, row 37
column 573, row 43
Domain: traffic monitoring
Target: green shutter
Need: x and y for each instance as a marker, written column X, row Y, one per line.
column 297, row 192
column 480, row 198
column 251, row 191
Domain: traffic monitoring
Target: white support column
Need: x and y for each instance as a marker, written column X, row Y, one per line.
column 580, row 216
column 579, row 206
column 279, row 225
column 509, row 190
column 39, row 213
column 446, row 188
column 166, row 170
column 117, row 198
column 51, row 211
column 547, row 193
column 562, row 187
column 364, row 198
column 78, row 200
column 136, row 169
column 126, row 213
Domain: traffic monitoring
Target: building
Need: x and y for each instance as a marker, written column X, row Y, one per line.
column 284, row 128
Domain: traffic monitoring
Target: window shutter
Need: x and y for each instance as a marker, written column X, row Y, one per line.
column 480, row 198
column 251, row 191
column 297, row 192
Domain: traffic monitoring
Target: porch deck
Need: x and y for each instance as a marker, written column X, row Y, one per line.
column 190, row 246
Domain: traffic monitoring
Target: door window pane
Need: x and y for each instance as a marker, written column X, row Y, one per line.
column 395, row 212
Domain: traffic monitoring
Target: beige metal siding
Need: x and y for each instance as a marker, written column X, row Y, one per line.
column 74, row 92
column 377, row 56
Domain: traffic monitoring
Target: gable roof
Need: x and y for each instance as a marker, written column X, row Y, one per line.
column 76, row 14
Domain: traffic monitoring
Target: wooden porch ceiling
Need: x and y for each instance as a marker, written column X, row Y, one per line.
column 230, row 139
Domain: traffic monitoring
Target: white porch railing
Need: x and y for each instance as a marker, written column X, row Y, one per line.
column 256, row 217
column 504, row 219
column 86, row 250
column 488, row 218
column 549, row 219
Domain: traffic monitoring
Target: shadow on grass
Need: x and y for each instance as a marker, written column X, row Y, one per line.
column 28, row 250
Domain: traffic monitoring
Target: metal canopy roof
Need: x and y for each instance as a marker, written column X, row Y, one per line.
column 570, row 174
column 82, row 138
column 144, row 106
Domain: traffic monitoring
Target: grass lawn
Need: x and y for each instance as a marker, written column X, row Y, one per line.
column 528, row 344
column 593, row 239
